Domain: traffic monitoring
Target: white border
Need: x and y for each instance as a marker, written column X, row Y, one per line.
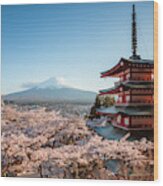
column 42, row 182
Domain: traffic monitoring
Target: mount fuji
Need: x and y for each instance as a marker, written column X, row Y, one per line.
column 51, row 91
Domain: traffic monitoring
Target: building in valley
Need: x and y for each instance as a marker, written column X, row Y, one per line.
column 134, row 106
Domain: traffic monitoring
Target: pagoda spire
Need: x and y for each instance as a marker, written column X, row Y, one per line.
column 134, row 35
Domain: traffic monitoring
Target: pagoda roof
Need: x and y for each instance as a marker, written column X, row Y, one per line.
column 124, row 64
column 127, row 86
column 131, row 111
column 143, row 61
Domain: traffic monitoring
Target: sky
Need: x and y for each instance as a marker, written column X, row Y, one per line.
column 71, row 42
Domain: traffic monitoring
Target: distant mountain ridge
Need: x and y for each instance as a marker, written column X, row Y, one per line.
column 51, row 91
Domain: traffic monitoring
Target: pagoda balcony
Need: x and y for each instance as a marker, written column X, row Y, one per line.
column 139, row 127
column 141, row 103
column 117, row 83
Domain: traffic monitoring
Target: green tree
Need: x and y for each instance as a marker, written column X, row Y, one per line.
column 97, row 102
column 96, row 105
column 108, row 101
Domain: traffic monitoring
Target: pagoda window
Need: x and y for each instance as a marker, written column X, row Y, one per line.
column 119, row 119
column 121, row 78
column 128, row 98
column 120, row 99
column 128, row 76
column 126, row 121
column 121, row 89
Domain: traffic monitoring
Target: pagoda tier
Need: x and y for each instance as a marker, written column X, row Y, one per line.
column 137, row 87
column 128, row 69
column 132, row 94
column 136, row 111
column 129, row 118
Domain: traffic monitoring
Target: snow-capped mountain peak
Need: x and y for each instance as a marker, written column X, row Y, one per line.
column 51, row 83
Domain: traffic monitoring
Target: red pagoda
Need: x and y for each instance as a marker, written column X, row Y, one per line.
column 134, row 107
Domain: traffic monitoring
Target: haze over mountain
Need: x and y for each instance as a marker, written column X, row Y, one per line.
column 52, row 91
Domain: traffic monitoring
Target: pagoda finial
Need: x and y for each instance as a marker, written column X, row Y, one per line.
column 134, row 35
